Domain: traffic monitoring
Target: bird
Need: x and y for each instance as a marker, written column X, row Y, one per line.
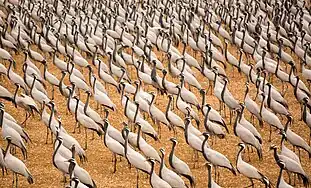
column 144, row 147
column 290, row 165
column 5, row 94
column 252, row 106
column 179, row 166
column 168, row 175
column 211, row 183
column 281, row 182
column 114, row 146
column 60, row 162
column 135, row 158
column 215, row 158
column 50, row 78
column 213, row 128
column 86, row 122
column 15, row 165
column 173, row 118
column 184, row 107
column 155, row 180
column 295, row 139
column 246, row 136
column 157, row 115
column 269, row 117
column 25, row 102
column 248, row 170
column 8, row 131
column 75, row 170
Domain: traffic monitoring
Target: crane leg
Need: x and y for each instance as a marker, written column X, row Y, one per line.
column 219, row 106
column 249, row 157
column 218, row 176
column 52, row 92
column 252, row 183
column 137, row 178
column 27, row 117
column 85, row 146
column 270, row 134
column 301, row 112
column 159, row 128
column 231, row 114
column 74, row 129
column 16, row 181
column 289, row 178
column 175, row 132
column 47, row 135
column 13, row 179
column 299, row 154
column 215, row 173
column 93, row 135
column 115, row 163
column 225, row 115
column 51, row 137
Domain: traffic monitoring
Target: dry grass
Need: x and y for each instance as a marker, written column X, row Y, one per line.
column 99, row 163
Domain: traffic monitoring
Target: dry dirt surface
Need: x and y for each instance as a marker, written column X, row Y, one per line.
column 100, row 165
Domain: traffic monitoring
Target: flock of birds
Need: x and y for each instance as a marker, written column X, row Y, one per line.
column 114, row 43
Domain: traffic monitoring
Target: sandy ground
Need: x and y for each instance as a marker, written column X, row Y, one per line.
column 99, row 163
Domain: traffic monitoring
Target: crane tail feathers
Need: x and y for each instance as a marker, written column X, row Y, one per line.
column 305, row 180
column 260, row 123
column 259, row 153
column 233, row 170
column 10, row 99
column 191, row 180
column 30, row 178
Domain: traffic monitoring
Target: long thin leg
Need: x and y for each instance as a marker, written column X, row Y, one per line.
column 47, row 135
column 299, row 154
column 27, row 117
column 220, row 106
column 75, row 126
column 52, row 92
column 249, row 158
column 218, row 177
column 51, row 137
column 215, row 173
column 13, row 179
column 16, row 176
column 64, row 179
column 289, row 178
column 159, row 128
column 225, row 114
column 137, row 177
column 230, row 117
column 85, row 138
column 252, row 183
column 115, row 163
column 270, row 133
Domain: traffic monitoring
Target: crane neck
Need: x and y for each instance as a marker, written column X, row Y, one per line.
column 87, row 103
column 209, row 169
column 76, row 109
column 172, row 154
column 162, row 164
column 138, row 137
column 7, row 150
column 239, row 157
column 279, row 177
column 56, row 150
column 168, row 107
